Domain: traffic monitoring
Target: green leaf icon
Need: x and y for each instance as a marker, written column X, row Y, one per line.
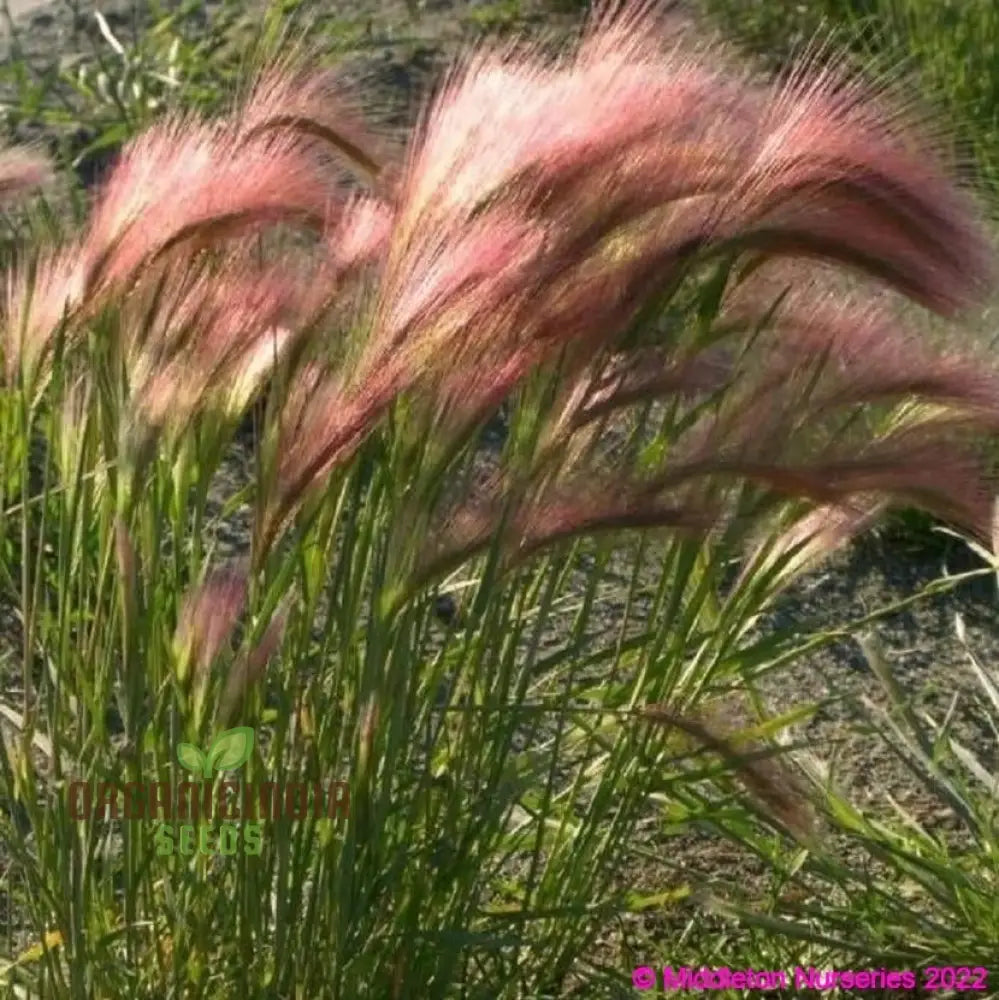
column 191, row 758
column 230, row 750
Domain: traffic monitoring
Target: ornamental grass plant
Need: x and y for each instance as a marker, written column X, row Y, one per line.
column 679, row 282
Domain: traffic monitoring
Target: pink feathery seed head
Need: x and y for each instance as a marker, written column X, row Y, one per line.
column 574, row 149
column 471, row 391
column 209, row 614
column 957, row 382
column 814, row 536
column 288, row 97
column 588, row 300
column 256, row 324
column 449, row 140
column 479, row 293
column 330, row 426
column 206, row 338
column 867, row 353
column 843, row 228
column 360, row 236
column 312, row 384
column 652, row 373
column 133, row 184
column 919, row 467
column 245, row 303
column 837, row 169
column 225, row 295
column 190, row 185
column 39, row 298
column 249, row 669
column 592, row 304
column 588, row 510
column 22, row 171
column 451, row 279
column 559, row 512
column 549, row 123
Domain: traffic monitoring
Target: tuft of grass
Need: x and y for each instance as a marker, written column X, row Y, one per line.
column 638, row 258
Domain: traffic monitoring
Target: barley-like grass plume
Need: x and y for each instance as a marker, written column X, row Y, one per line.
column 186, row 185
column 290, row 96
column 601, row 179
column 199, row 333
column 763, row 775
column 208, row 617
column 535, row 237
